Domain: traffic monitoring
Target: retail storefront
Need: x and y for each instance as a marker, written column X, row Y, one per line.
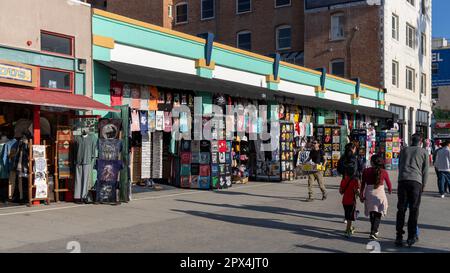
column 38, row 126
column 148, row 72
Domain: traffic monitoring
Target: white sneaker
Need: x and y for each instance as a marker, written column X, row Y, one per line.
column 443, row 196
column 345, row 221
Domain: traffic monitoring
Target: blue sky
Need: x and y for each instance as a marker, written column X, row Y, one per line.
column 441, row 18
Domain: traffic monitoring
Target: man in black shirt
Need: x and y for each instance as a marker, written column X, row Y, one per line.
column 317, row 156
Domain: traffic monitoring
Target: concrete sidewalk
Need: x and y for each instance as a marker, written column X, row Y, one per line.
column 256, row 217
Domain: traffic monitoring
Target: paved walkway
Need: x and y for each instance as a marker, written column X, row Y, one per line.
column 256, row 217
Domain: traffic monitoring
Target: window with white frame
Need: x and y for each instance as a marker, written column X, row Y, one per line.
column 282, row 3
column 243, row 6
column 181, row 10
column 423, row 44
column 395, row 25
column 410, row 74
column 244, row 40
column 207, row 9
column 395, row 73
column 410, row 36
column 337, row 26
column 283, row 37
column 423, row 84
column 337, row 67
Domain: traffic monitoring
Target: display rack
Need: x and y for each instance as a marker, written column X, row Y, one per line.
column 330, row 137
column 287, row 151
column 31, row 177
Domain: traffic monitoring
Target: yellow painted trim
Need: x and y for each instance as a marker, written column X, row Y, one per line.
column 371, row 87
column 176, row 33
column 146, row 25
column 381, row 102
column 300, row 68
column 319, row 89
column 341, row 79
column 270, row 78
column 201, row 63
column 103, row 41
column 354, row 97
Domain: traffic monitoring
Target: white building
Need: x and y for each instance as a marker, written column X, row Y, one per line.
column 407, row 59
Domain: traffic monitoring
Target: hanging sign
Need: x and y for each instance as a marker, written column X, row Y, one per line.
column 17, row 73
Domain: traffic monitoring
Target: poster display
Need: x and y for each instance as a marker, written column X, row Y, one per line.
column 63, row 137
column 40, row 171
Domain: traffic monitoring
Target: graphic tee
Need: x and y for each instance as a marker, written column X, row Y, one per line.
column 109, row 128
column 143, row 120
column 135, row 124
column 109, row 149
column 108, row 170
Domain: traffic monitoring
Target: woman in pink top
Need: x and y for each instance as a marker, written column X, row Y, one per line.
column 373, row 193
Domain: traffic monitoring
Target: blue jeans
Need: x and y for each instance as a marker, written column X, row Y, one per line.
column 444, row 179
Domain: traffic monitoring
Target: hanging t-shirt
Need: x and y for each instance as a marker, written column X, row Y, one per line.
column 151, row 121
column 109, row 128
column 135, row 97
column 108, row 170
column 167, row 122
column 184, row 126
column 176, row 99
column 116, row 93
column 106, row 191
column 135, row 124
column 126, row 94
column 109, row 149
column 159, row 120
column 143, row 121
column 153, row 101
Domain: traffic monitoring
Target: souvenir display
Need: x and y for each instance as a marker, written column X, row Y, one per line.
column 389, row 146
column 330, row 138
column 287, row 151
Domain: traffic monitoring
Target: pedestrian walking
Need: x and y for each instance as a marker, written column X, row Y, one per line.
column 317, row 156
column 373, row 193
column 412, row 179
column 350, row 168
column 442, row 165
column 442, row 144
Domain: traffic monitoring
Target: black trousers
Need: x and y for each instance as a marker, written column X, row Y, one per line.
column 4, row 187
column 409, row 196
column 375, row 220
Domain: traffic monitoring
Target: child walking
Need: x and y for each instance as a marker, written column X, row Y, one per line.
column 373, row 193
column 349, row 189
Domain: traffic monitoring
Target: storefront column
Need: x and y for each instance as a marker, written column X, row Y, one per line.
column 36, row 125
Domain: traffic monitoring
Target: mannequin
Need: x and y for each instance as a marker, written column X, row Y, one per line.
column 21, row 167
column 85, row 152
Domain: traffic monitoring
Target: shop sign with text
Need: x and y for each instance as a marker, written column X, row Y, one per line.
column 17, row 73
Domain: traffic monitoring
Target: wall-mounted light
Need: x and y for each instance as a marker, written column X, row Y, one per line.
column 82, row 64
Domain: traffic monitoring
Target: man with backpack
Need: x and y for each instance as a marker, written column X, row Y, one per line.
column 412, row 178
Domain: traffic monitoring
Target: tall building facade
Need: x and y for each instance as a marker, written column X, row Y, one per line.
column 262, row 26
column 384, row 43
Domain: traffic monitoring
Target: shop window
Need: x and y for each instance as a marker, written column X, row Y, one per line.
column 56, row 80
column 181, row 13
column 284, row 38
column 207, row 7
column 337, row 26
column 243, row 6
column 282, row 3
column 337, row 68
column 244, row 40
column 398, row 110
column 56, row 43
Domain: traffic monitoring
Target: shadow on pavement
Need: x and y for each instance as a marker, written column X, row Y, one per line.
column 276, row 210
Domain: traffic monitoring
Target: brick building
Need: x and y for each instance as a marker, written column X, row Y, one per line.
column 261, row 26
column 384, row 43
